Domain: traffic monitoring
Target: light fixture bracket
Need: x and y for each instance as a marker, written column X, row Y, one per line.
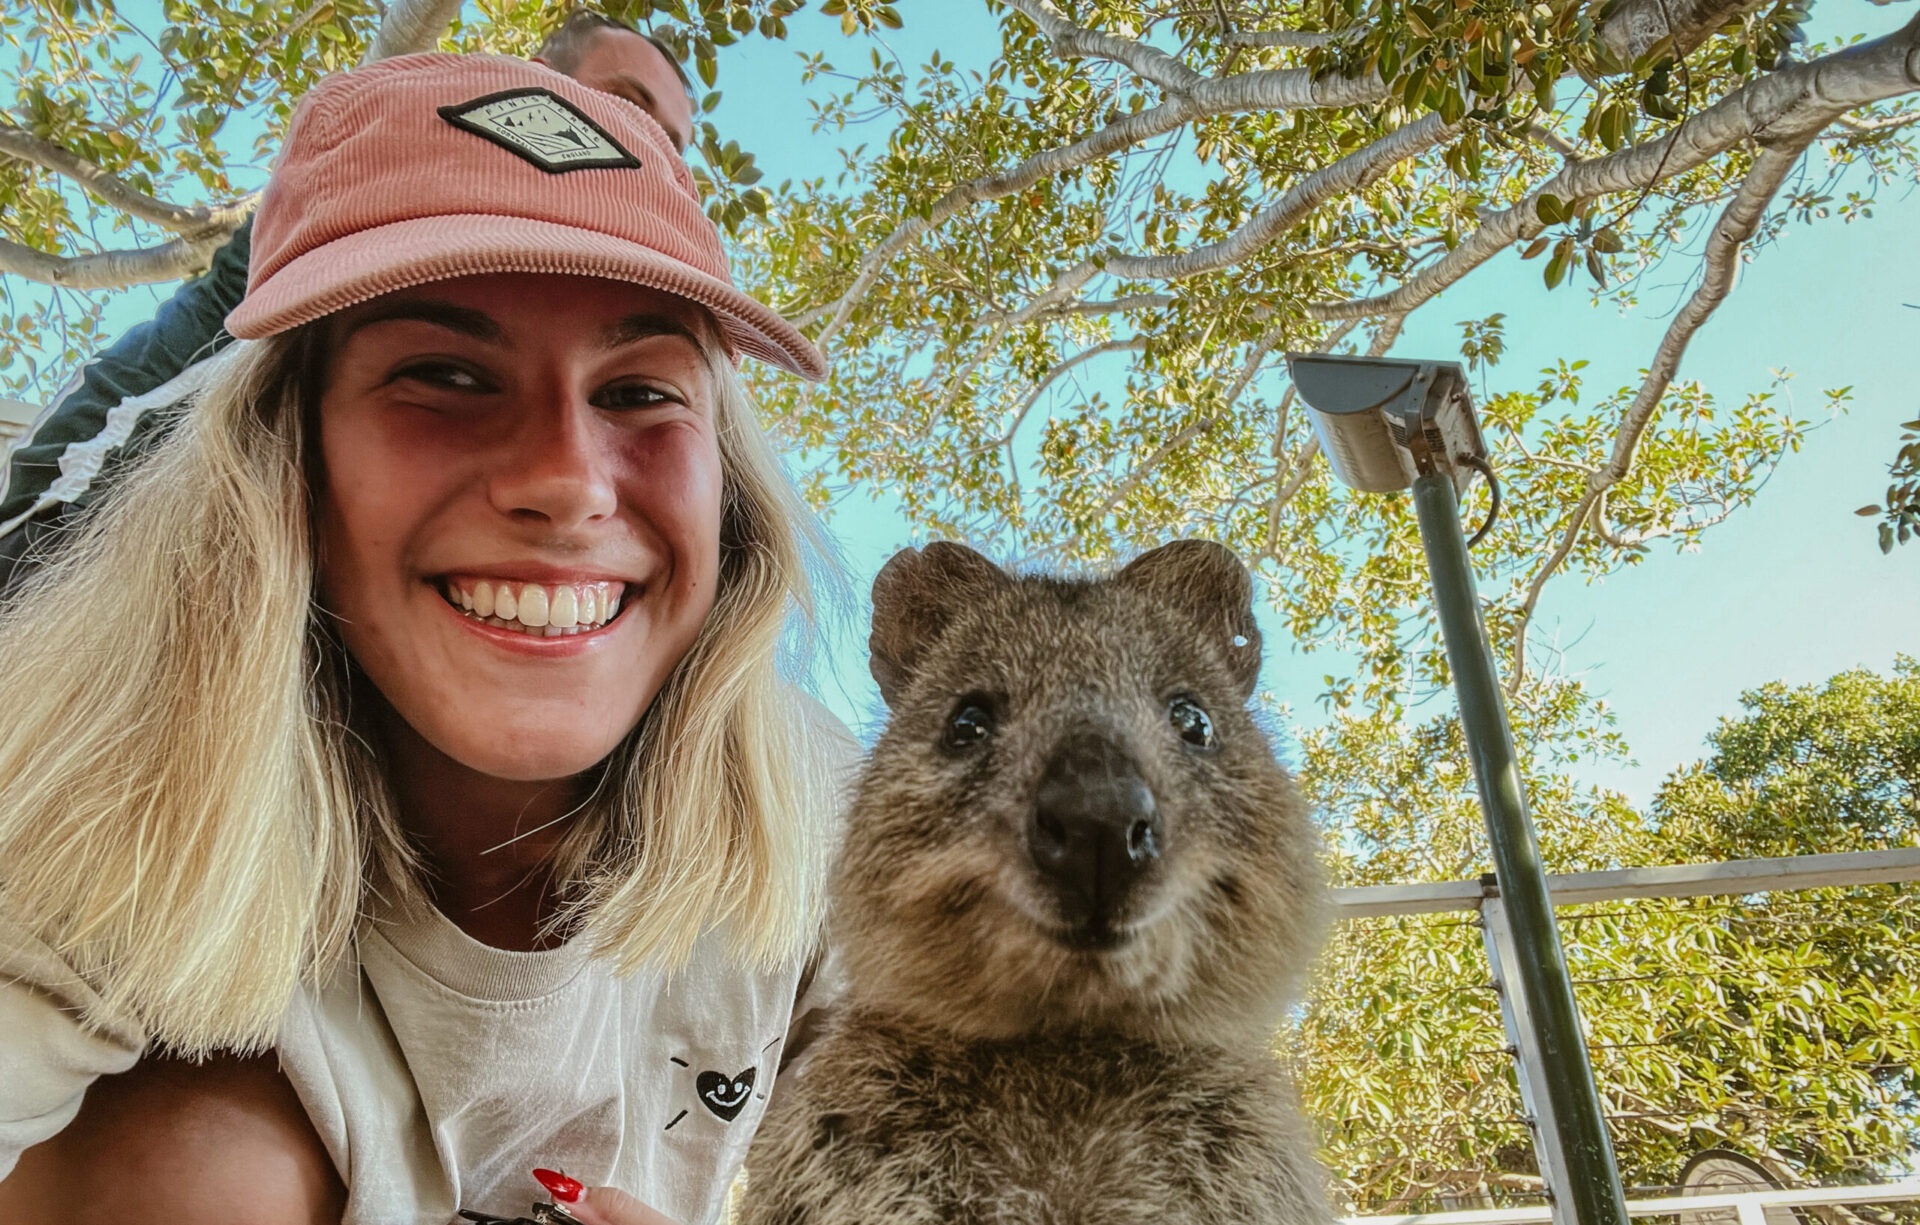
column 1385, row 421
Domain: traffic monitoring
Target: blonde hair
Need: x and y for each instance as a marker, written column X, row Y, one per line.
column 188, row 818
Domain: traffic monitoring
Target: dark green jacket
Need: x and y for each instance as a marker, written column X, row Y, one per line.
column 72, row 451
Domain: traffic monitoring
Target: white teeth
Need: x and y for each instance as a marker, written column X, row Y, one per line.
column 533, row 606
column 564, row 611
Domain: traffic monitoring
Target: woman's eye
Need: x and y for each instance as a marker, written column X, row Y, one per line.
column 444, row 374
column 631, row 395
column 1191, row 722
column 970, row 724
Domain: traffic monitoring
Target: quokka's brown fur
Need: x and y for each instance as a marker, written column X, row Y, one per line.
column 1018, row 1045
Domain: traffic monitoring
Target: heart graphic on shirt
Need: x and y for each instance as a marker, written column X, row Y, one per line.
column 725, row 1096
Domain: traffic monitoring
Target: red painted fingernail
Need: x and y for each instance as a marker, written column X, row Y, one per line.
column 564, row 1189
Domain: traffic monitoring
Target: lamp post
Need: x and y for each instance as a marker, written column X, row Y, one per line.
column 1387, row 425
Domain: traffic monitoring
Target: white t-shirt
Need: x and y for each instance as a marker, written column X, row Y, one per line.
column 440, row 1071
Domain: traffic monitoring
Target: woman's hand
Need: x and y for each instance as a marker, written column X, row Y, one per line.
column 612, row 1206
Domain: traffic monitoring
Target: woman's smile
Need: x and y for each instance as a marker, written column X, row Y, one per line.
column 542, row 610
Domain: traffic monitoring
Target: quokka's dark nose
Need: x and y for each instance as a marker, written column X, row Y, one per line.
column 1095, row 828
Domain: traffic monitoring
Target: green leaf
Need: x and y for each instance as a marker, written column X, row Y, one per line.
column 1556, row 270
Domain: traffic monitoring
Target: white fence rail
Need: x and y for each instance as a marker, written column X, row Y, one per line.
column 1751, row 1206
column 1739, row 877
column 1736, row 876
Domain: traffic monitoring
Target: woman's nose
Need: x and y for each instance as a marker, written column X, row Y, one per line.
column 555, row 468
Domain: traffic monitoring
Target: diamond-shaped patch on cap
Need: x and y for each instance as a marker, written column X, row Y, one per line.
column 541, row 127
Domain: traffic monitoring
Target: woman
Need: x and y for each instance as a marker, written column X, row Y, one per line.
column 413, row 711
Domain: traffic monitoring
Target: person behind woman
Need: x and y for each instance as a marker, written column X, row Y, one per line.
column 413, row 710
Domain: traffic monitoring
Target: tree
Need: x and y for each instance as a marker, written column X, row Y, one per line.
column 1806, row 770
column 1784, row 1025
column 1183, row 192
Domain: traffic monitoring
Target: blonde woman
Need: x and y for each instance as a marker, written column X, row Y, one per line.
column 397, row 788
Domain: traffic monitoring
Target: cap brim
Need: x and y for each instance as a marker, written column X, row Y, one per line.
column 361, row 266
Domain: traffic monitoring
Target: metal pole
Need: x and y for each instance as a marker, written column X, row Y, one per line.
column 1573, row 1101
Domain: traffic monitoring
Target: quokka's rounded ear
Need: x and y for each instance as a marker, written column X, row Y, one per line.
column 1207, row 583
column 915, row 597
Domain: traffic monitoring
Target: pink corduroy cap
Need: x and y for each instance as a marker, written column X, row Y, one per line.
column 426, row 167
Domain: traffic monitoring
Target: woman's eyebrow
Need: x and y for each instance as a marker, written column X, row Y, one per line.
column 462, row 319
column 640, row 327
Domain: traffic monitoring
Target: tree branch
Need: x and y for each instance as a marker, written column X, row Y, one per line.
column 1111, row 306
column 1281, row 38
column 1581, row 512
column 1302, row 464
column 1736, row 225
column 410, row 26
column 1634, row 26
column 1352, row 173
column 1781, row 107
column 1297, row 474
column 1256, row 357
column 110, row 269
column 1145, row 467
column 1132, row 344
column 1858, row 129
column 1070, row 40
column 115, row 192
column 959, row 381
column 1553, row 140
column 1268, row 89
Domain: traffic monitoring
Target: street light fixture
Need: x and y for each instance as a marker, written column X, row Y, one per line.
column 1388, row 425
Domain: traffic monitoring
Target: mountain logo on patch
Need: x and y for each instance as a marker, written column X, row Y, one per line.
column 541, row 127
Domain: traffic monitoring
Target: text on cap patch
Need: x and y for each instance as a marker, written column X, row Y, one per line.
column 541, row 127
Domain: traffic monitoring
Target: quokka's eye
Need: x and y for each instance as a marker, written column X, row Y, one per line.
column 970, row 724
column 1191, row 722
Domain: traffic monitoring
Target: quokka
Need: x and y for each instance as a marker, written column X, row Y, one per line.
column 1077, row 893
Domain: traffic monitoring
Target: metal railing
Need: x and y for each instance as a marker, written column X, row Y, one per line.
column 1736, row 879
column 1751, row 1205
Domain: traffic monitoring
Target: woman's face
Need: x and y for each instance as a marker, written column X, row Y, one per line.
column 519, row 510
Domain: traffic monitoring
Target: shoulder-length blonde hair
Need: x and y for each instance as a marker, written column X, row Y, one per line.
column 190, row 818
